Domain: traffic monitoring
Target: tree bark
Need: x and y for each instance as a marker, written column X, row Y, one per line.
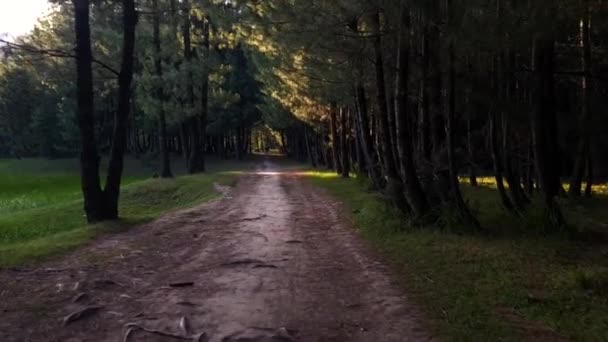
column 366, row 139
column 194, row 159
column 470, row 149
column 463, row 209
column 497, row 162
column 119, row 141
column 312, row 158
column 335, row 144
column 585, row 132
column 204, row 96
column 413, row 189
column 344, row 142
column 89, row 157
column 394, row 186
column 160, row 94
column 545, row 120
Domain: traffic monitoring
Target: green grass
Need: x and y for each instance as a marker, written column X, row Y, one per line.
column 41, row 208
column 509, row 285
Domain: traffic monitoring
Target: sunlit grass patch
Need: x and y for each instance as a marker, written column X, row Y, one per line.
column 42, row 213
column 320, row 174
column 490, row 182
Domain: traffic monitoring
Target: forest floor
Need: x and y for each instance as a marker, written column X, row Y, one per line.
column 274, row 259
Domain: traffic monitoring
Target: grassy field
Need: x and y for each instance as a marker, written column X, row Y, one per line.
column 512, row 284
column 41, row 208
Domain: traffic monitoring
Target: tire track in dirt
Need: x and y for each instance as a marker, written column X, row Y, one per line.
column 271, row 261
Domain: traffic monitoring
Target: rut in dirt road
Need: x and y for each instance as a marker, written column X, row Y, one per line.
column 271, row 261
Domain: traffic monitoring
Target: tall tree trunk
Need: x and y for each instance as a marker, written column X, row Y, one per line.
column 394, row 186
column 585, row 132
column 160, row 94
column 204, row 95
column 413, row 189
column 194, row 123
column 466, row 214
column 545, row 120
column 435, row 81
column 424, row 131
column 344, row 141
column 497, row 162
column 185, row 139
column 470, row 149
column 89, row 157
column 119, row 141
column 366, row 139
column 335, row 144
column 510, row 158
column 589, row 181
column 309, row 148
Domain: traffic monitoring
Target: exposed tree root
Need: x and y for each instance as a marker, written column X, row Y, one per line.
column 80, row 314
column 132, row 327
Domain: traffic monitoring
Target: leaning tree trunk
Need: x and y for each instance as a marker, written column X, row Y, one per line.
column 89, row 157
column 585, row 131
column 160, row 94
column 545, row 122
column 413, row 189
column 119, row 140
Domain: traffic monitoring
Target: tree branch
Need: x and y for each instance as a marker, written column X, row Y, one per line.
column 55, row 53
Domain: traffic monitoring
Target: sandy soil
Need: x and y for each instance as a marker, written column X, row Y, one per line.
column 271, row 261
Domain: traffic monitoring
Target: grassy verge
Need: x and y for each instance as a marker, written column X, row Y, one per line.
column 511, row 285
column 41, row 212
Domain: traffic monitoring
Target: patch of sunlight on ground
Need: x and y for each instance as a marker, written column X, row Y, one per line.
column 490, row 182
column 320, row 174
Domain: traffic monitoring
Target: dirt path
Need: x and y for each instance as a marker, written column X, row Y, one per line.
column 271, row 261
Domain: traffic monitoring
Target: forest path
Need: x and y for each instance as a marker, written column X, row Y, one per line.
column 270, row 261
